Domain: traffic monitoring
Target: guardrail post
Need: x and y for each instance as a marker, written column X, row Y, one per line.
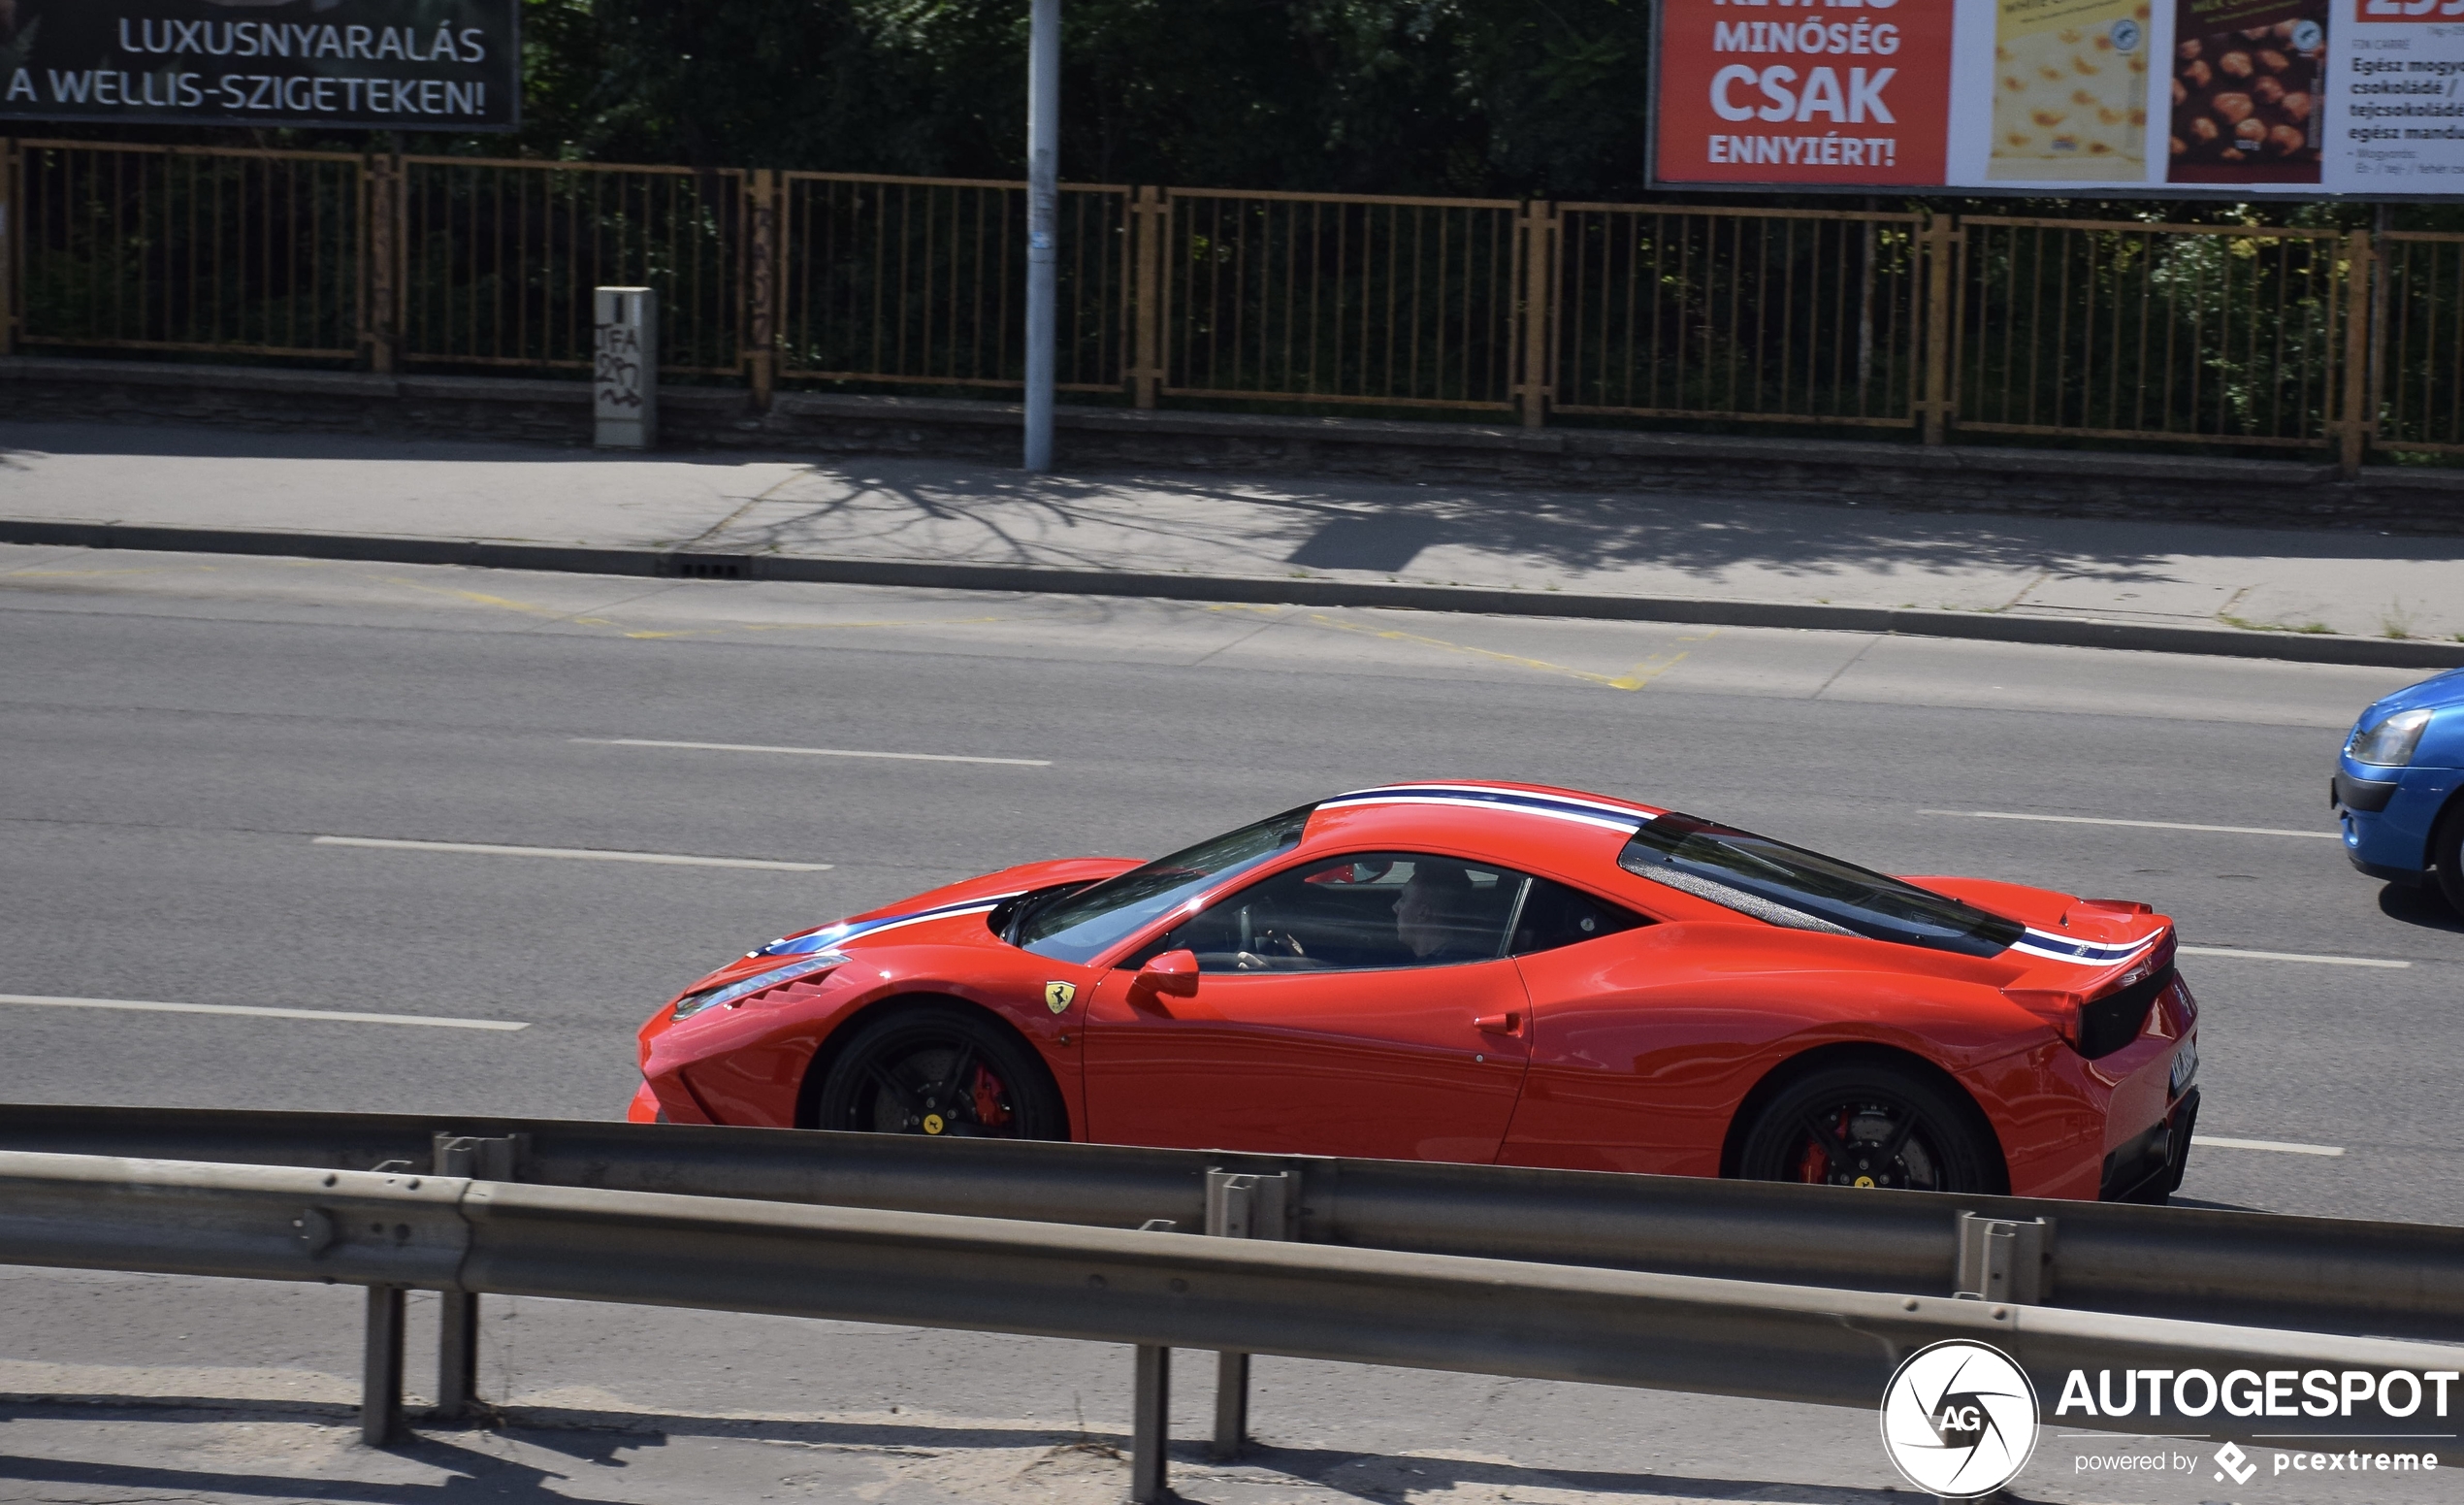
column 381, row 1392
column 2002, row 1260
column 1241, row 1204
column 458, row 1313
column 1150, row 219
column 760, row 286
column 1539, row 261
column 1941, row 240
column 382, row 222
column 1150, row 1424
column 2353, row 434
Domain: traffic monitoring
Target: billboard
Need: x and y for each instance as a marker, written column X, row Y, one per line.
column 2170, row 97
column 422, row 65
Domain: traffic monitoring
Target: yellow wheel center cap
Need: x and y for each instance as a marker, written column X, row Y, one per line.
column 1864, row 1181
column 932, row 1126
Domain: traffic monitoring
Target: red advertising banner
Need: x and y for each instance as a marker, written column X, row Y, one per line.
column 1824, row 94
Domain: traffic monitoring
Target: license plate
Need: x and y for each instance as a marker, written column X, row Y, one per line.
column 2185, row 1067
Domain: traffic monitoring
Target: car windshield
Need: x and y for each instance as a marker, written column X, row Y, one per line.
column 1789, row 886
column 1081, row 925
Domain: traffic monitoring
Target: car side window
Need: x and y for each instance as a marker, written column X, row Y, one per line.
column 1354, row 913
column 1554, row 915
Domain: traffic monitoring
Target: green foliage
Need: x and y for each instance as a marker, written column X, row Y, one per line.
column 1503, row 97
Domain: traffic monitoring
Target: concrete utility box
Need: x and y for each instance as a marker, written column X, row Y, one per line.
column 625, row 385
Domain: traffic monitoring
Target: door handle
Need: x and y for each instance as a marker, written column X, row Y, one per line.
column 1508, row 1023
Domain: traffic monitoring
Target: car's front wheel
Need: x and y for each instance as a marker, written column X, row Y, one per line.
column 1868, row 1124
column 939, row 1069
column 2446, row 853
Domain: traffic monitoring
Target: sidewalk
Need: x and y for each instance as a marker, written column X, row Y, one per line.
column 2336, row 596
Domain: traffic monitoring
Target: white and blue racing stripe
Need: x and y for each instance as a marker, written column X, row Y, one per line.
column 2083, row 953
column 1476, row 797
column 830, row 935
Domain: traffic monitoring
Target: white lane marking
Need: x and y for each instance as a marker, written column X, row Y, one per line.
column 2286, row 956
column 333, row 1015
column 2101, row 820
column 484, row 849
column 810, row 752
column 2279, row 1146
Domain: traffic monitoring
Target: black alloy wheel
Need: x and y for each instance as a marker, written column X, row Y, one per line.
column 1872, row 1125
column 939, row 1069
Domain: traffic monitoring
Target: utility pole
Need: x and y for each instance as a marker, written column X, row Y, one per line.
column 1043, row 206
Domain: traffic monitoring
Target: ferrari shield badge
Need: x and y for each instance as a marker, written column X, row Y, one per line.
column 1059, row 996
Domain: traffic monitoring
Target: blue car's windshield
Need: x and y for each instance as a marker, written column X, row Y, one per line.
column 1081, row 925
column 1801, row 890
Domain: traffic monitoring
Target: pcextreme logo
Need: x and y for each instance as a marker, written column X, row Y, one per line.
column 1959, row 1419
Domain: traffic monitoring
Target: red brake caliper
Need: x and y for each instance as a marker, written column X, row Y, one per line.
column 1815, row 1168
column 988, row 1110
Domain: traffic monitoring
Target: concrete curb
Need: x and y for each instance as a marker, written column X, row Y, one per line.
column 1981, row 626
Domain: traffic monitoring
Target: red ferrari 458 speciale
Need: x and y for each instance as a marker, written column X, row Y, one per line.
column 1480, row 971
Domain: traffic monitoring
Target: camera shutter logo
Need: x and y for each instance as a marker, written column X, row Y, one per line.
column 1959, row 1419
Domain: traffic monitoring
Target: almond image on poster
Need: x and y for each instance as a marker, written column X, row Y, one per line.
column 2245, row 92
column 2070, row 90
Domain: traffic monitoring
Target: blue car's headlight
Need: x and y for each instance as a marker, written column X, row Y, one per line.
column 718, row 998
column 2389, row 743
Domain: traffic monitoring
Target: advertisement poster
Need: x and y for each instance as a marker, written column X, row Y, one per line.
column 425, row 65
column 2240, row 97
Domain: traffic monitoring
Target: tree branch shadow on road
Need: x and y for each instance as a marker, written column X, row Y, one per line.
column 922, row 507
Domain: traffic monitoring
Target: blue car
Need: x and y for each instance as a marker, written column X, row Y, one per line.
column 2396, row 787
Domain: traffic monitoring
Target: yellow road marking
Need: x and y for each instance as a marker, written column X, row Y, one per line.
column 476, row 598
column 1645, row 672
column 807, row 627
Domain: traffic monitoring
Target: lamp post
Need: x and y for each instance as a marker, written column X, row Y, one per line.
column 1043, row 194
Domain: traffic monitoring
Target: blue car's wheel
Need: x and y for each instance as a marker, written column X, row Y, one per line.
column 2447, row 850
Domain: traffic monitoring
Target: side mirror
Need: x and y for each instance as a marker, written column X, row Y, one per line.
column 1172, row 971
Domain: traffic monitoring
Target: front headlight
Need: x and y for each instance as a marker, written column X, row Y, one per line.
column 717, row 997
column 2389, row 744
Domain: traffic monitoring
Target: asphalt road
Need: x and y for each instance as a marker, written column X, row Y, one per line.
column 179, row 731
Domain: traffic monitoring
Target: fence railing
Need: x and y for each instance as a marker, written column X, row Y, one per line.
column 1788, row 315
column 491, row 264
column 1315, row 298
column 1989, row 327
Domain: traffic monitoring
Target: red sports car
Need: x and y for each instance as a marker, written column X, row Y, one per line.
column 1480, row 971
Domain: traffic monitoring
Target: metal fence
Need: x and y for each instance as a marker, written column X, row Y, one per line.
column 920, row 280
column 2121, row 330
column 1987, row 327
column 127, row 248
column 1761, row 314
column 1315, row 298
column 496, row 260
column 2417, row 390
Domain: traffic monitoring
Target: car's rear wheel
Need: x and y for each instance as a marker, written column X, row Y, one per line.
column 941, row 1069
column 1868, row 1124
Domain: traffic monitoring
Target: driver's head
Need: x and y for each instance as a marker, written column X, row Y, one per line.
column 1435, row 905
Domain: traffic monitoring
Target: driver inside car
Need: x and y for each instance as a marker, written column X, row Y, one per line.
column 1439, row 917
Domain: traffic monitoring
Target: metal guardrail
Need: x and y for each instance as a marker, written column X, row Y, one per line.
column 1142, row 1288
column 2261, row 1270
column 1992, row 327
